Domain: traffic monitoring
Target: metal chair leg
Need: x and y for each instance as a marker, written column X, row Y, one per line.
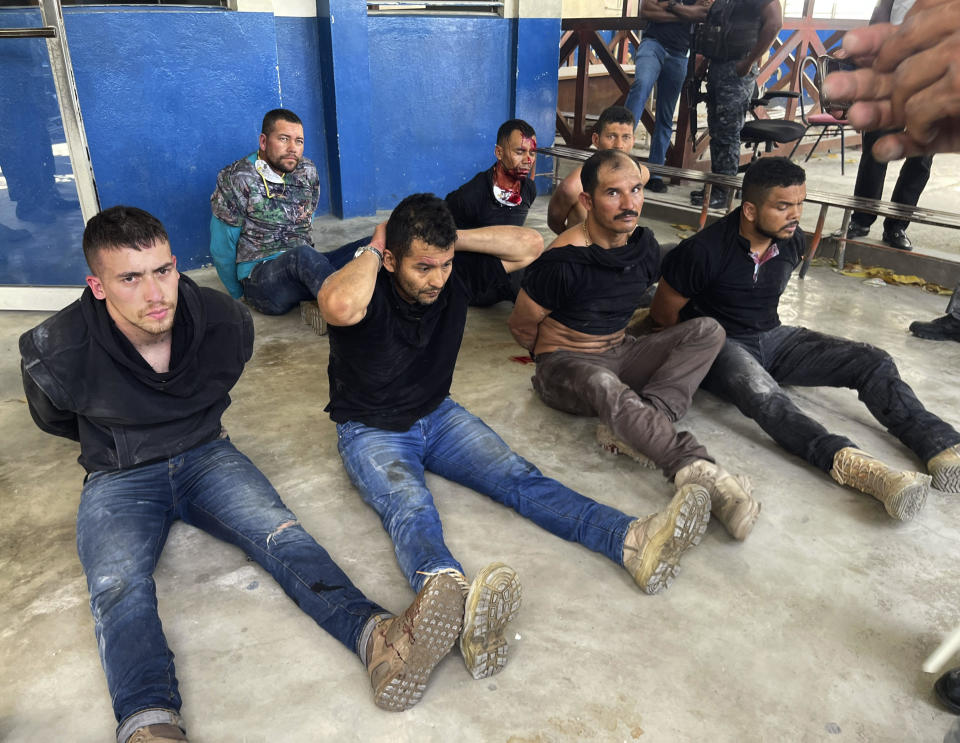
column 797, row 143
column 816, row 144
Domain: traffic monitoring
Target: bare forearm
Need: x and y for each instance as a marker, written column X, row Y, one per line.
column 651, row 10
column 345, row 295
column 515, row 246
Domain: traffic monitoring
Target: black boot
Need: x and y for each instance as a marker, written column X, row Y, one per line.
column 948, row 689
column 946, row 328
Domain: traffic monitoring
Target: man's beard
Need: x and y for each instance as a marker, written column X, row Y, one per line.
column 775, row 235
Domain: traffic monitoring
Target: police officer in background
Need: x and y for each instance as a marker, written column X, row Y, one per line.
column 732, row 39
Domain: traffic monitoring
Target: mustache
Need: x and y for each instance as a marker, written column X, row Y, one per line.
column 627, row 213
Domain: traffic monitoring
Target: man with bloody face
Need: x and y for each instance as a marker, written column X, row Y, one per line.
column 504, row 192
column 501, row 195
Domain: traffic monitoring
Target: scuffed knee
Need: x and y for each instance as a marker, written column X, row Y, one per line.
column 281, row 530
column 107, row 591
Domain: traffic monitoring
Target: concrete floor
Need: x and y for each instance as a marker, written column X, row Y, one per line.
column 812, row 630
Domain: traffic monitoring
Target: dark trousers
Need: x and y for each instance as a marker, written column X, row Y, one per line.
column 749, row 371
column 870, row 176
column 639, row 388
column 953, row 306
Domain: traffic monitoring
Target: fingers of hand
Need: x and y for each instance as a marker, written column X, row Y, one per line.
column 921, row 30
column 859, row 85
column 870, row 115
column 865, row 42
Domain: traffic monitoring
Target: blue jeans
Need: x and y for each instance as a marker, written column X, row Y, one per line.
column 750, row 369
column 277, row 285
column 387, row 467
column 653, row 64
column 122, row 524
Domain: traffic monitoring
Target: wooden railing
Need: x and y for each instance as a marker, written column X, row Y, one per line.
column 784, row 69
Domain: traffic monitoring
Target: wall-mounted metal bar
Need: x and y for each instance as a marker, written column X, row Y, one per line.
column 28, row 33
column 52, row 13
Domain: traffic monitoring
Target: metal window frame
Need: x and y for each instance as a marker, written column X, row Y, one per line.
column 435, row 7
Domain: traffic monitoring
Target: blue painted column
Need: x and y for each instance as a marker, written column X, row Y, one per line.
column 345, row 74
column 535, row 84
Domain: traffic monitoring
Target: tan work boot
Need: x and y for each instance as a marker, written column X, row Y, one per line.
column 403, row 650
column 945, row 468
column 902, row 493
column 165, row 732
column 609, row 442
column 730, row 499
column 653, row 545
column 492, row 600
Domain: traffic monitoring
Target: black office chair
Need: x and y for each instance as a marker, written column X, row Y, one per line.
column 769, row 132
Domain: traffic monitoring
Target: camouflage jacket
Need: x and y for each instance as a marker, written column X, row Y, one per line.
column 270, row 221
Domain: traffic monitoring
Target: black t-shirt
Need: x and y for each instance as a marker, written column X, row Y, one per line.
column 396, row 365
column 674, row 36
column 474, row 205
column 591, row 289
column 715, row 271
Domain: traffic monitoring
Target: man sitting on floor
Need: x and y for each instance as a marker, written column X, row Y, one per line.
column 263, row 209
column 576, row 301
column 394, row 339
column 501, row 195
column 504, row 192
column 735, row 271
column 138, row 370
column 613, row 131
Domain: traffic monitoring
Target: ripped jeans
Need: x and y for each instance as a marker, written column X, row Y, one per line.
column 122, row 524
column 387, row 467
column 750, row 369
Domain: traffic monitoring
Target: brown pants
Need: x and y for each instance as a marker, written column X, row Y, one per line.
column 639, row 388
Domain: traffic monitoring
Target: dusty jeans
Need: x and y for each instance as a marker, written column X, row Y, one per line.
column 750, row 370
column 639, row 388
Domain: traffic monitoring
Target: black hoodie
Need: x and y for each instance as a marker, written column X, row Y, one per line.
column 84, row 380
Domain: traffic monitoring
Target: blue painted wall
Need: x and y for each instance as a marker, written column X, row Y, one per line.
column 535, row 90
column 171, row 95
column 301, row 90
column 168, row 98
column 440, row 89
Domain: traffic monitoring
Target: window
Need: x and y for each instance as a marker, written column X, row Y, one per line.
column 434, row 7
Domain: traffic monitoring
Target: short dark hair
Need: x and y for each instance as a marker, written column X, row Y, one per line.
column 509, row 127
column 278, row 114
column 422, row 216
column 614, row 115
column 767, row 173
column 589, row 174
column 121, row 227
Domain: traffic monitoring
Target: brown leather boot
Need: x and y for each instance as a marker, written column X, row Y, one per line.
column 903, row 494
column 402, row 651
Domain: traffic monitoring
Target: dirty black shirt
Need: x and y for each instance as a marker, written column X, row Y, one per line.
column 715, row 271
column 592, row 289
